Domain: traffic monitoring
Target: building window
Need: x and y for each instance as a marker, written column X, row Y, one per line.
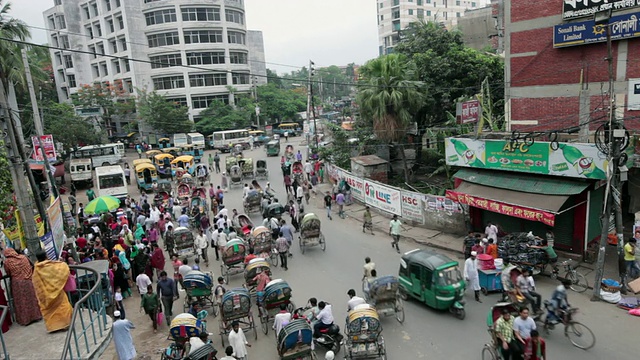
column 202, row 36
column 165, row 61
column 54, row 40
column 420, row 13
column 473, row 4
column 114, row 46
column 117, row 3
column 64, row 41
column 107, row 4
column 57, row 2
column 101, row 48
column 65, row 93
column 104, row 69
column 127, row 64
column 234, row 16
column 235, row 37
column 396, row 2
column 457, row 14
column 428, row 12
column 89, row 32
column 170, row 38
column 115, row 64
column 395, row 14
column 428, row 1
column 238, row 57
column 87, row 14
column 68, row 62
column 396, row 25
column 120, row 22
column 128, row 85
column 94, row 7
column 419, row 2
column 98, row 29
column 60, row 22
column 168, row 82
column 208, row 79
column 203, row 102
column 95, row 70
column 110, row 25
column 410, row 11
column 205, row 58
column 200, row 14
column 123, row 43
column 381, row 5
column 92, row 50
column 180, row 101
column 160, row 17
column 58, row 59
column 240, row 78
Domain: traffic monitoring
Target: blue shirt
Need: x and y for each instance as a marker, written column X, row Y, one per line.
column 167, row 288
column 287, row 233
column 340, row 199
column 183, row 220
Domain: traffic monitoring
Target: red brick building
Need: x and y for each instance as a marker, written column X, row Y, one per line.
column 556, row 71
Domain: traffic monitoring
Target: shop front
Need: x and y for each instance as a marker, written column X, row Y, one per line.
column 532, row 188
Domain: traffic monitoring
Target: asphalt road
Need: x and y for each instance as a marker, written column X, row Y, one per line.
column 425, row 334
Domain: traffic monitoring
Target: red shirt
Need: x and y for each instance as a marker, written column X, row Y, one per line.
column 249, row 258
column 81, row 242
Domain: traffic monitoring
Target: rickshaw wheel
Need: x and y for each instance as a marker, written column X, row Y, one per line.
column 323, row 244
column 489, row 353
column 399, row 310
column 403, row 294
column 264, row 320
column 460, row 314
column 253, row 325
column 273, row 257
column 301, row 246
column 484, row 291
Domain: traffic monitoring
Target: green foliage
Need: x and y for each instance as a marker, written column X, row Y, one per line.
column 61, row 121
column 280, row 105
column 162, row 114
column 220, row 116
column 7, row 202
column 273, row 78
column 450, row 70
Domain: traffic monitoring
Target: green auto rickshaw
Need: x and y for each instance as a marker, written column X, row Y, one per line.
column 273, row 148
column 433, row 279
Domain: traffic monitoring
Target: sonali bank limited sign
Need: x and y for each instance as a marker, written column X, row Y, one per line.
column 574, row 9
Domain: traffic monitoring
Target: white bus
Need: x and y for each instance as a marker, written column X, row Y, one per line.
column 100, row 155
column 111, row 181
column 81, row 171
column 221, row 140
column 180, row 140
column 196, row 139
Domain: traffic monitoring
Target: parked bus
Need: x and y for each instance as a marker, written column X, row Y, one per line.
column 196, row 139
column 220, row 140
column 80, row 171
column 180, row 139
column 111, row 181
column 100, row 155
column 291, row 128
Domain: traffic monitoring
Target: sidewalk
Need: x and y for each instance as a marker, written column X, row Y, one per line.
column 453, row 243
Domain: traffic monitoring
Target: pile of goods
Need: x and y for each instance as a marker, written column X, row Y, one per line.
column 513, row 248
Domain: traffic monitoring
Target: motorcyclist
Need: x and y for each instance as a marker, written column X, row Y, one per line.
column 559, row 302
column 325, row 318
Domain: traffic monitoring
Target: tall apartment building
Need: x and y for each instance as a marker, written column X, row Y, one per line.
column 396, row 15
column 192, row 50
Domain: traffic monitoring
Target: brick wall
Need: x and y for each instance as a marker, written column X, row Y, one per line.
column 551, row 113
column 527, row 10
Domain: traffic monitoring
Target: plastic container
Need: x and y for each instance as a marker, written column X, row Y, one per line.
column 485, row 262
column 499, row 264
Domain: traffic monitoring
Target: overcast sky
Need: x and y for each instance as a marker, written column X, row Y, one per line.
column 329, row 32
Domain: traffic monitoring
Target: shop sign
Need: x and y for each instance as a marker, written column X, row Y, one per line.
column 15, row 232
column 48, row 148
column 382, row 197
column 412, row 206
column 586, row 32
column 633, row 102
column 573, row 9
column 544, row 217
column 469, row 112
column 434, row 203
column 575, row 160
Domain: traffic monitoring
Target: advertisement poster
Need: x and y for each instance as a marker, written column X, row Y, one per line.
column 49, row 148
column 412, row 206
column 57, row 223
column 435, row 203
column 49, row 247
column 577, row 160
column 357, row 186
column 382, row 197
column 470, row 112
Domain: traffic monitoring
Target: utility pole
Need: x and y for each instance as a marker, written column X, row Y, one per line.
column 312, row 72
column 613, row 194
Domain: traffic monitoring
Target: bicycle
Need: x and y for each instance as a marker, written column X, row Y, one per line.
column 579, row 282
column 579, row 334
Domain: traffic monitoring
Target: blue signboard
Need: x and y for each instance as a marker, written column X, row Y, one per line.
column 587, row 32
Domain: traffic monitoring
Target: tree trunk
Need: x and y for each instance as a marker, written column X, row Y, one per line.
column 403, row 156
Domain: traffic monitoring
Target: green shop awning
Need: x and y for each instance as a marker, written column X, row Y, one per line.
column 527, row 183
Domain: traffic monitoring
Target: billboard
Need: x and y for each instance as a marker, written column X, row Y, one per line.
column 573, row 9
column 382, row 197
column 469, row 112
column 587, row 32
column 412, row 206
column 49, row 148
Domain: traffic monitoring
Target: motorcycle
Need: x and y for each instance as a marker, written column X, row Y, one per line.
column 330, row 338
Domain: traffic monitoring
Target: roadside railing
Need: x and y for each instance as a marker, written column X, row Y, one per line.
column 89, row 319
column 5, row 351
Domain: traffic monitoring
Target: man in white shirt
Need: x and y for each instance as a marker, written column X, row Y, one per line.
column 229, row 352
column 245, row 191
column 184, row 269
column 177, row 210
column 354, row 300
column 142, row 281
column 324, row 317
column 307, row 169
column 491, row 231
column 368, row 266
column 223, row 212
column 238, row 341
column 281, row 319
column 222, row 239
column 202, row 245
column 196, row 342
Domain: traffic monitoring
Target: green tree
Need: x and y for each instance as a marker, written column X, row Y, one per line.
column 450, row 70
column 61, row 121
column 162, row 114
column 390, row 96
column 7, row 201
column 273, row 78
column 220, row 116
column 114, row 100
column 280, row 104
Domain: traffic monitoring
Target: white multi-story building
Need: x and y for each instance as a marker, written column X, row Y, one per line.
column 191, row 51
column 396, row 15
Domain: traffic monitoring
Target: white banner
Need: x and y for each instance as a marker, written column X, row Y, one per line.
column 382, row 197
column 357, row 186
column 412, row 206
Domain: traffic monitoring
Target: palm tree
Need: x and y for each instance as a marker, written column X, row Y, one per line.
column 10, row 57
column 390, row 96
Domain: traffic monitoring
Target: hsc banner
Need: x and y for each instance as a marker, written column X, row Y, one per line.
column 382, row 197
column 412, row 206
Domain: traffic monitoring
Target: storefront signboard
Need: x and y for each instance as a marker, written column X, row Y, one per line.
column 575, row 160
column 574, row 9
column 587, row 32
column 382, row 197
column 522, row 212
column 412, row 206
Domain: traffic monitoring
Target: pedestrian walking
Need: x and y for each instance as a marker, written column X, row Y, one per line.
column 238, row 341
column 150, row 303
column 122, row 337
column 340, row 200
column 282, row 245
column 286, row 136
column 202, row 245
column 327, row 203
column 118, row 301
column 216, row 160
column 287, row 230
column 368, row 220
column 210, row 162
column 299, row 192
column 127, row 173
column 167, row 292
column 72, row 202
column 308, row 169
column 394, row 231
column 471, row 275
column 91, row 194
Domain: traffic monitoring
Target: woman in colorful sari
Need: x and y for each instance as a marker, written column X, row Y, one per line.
column 49, row 278
column 20, row 271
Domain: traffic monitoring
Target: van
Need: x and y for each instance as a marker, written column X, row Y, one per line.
column 81, row 171
column 111, row 181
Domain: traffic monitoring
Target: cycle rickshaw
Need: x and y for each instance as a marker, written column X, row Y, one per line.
column 236, row 306
column 363, row 332
column 277, row 292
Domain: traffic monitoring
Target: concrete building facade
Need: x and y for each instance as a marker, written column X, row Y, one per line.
column 479, row 28
column 191, row 51
column 556, row 72
column 396, row 15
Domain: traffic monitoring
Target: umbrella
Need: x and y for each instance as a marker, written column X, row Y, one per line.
column 102, row 204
